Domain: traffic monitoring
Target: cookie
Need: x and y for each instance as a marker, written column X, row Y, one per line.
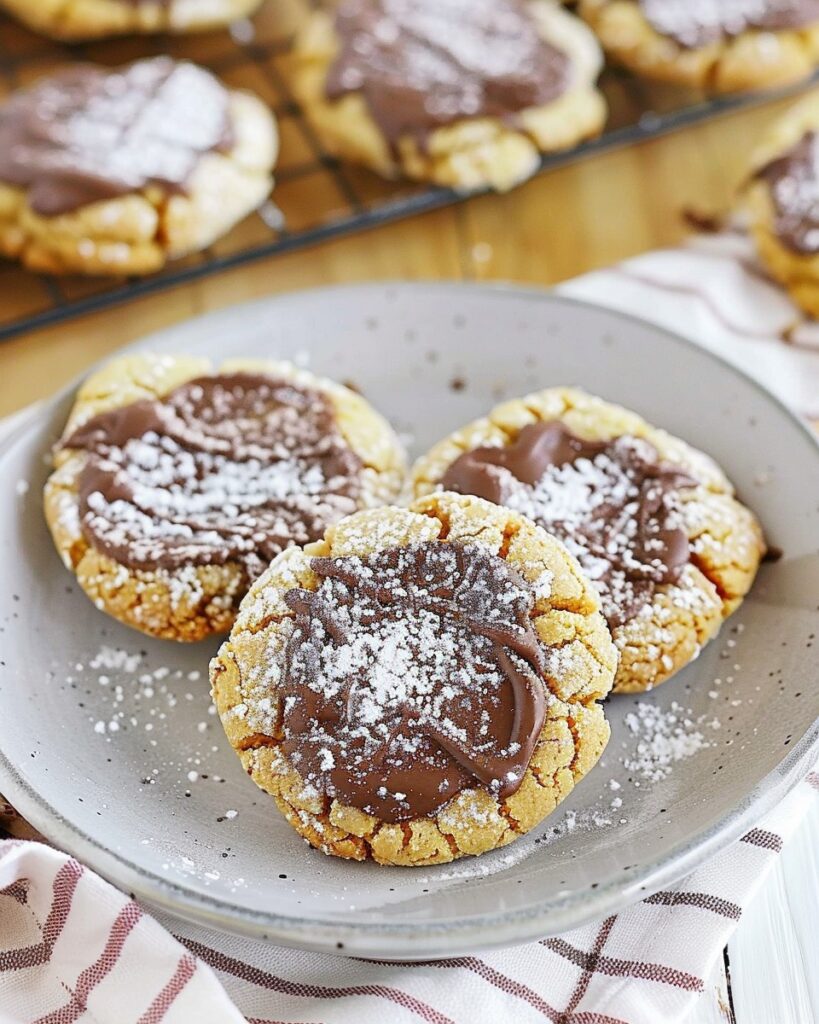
column 175, row 484
column 653, row 523
column 782, row 199
column 463, row 93
column 117, row 171
column 718, row 45
column 419, row 685
column 95, row 19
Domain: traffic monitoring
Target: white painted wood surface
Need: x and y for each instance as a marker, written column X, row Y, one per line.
column 714, row 1006
column 773, row 956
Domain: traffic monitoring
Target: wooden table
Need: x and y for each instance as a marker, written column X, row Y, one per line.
column 574, row 219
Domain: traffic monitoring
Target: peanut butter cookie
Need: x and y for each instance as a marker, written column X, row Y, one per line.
column 94, row 19
column 175, row 484
column 419, row 685
column 652, row 522
column 782, row 197
column 465, row 93
column 117, row 171
column 718, row 45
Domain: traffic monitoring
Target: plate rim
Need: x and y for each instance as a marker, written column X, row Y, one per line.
column 410, row 940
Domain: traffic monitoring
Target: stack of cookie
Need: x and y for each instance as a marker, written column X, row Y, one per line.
column 410, row 682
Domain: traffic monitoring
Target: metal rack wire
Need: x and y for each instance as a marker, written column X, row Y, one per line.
column 316, row 199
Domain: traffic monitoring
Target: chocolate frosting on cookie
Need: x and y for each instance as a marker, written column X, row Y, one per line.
column 412, row 674
column 230, row 468
column 793, row 180
column 88, row 133
column 421, row 64
column 613, row 503
column 694, row 23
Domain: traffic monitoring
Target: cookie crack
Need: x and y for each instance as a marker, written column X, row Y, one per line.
column 271, row 619
column 512, row 821
column 258, row 741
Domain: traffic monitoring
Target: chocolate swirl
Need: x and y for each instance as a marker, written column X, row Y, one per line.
column 421, row 64
column 612, row 503
column 412, row 674
column 696, row 23
column 229, row 468
column 793, row 181
column 87, row 133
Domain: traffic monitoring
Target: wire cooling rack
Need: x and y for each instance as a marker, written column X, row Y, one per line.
column 315, row 198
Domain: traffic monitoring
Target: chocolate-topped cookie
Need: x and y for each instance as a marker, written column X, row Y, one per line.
column 115, row 171
column 652, row 522
column 420, row 684
column 465, row 93
column 176, row 485
column 719, row 45
column 94, row 19
column 782, row 198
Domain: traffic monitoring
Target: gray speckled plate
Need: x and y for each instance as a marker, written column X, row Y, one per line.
column 107, row 744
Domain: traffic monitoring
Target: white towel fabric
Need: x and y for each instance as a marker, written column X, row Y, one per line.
column 714, row 291
column 74, row 949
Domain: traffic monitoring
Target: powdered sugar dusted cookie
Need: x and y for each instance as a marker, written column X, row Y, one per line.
column 116, row 171
column 653, row 523
column 719, row 45
column 466, row 93
column 93, row 19
column 782, row 197
column 175, row 484
column 419, row 685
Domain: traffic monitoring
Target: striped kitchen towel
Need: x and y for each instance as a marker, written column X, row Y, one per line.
column 74, row 949
column 714, row 290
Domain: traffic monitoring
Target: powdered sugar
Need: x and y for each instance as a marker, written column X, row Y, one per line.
column 614, row 514
column 408, row 645
column 230, row 468
column 132, row 696
column 114, row 658
column 108, row 131
column 663, row 738
column 442, row 60
column 698, row 22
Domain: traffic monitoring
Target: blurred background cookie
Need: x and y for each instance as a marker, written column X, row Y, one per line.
column 652, row 522
column 116, row 171
column 175, row 484
column 782, row 198
column 719, row 45
column 420, row 685
column 94, row 19
column 465, row 93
